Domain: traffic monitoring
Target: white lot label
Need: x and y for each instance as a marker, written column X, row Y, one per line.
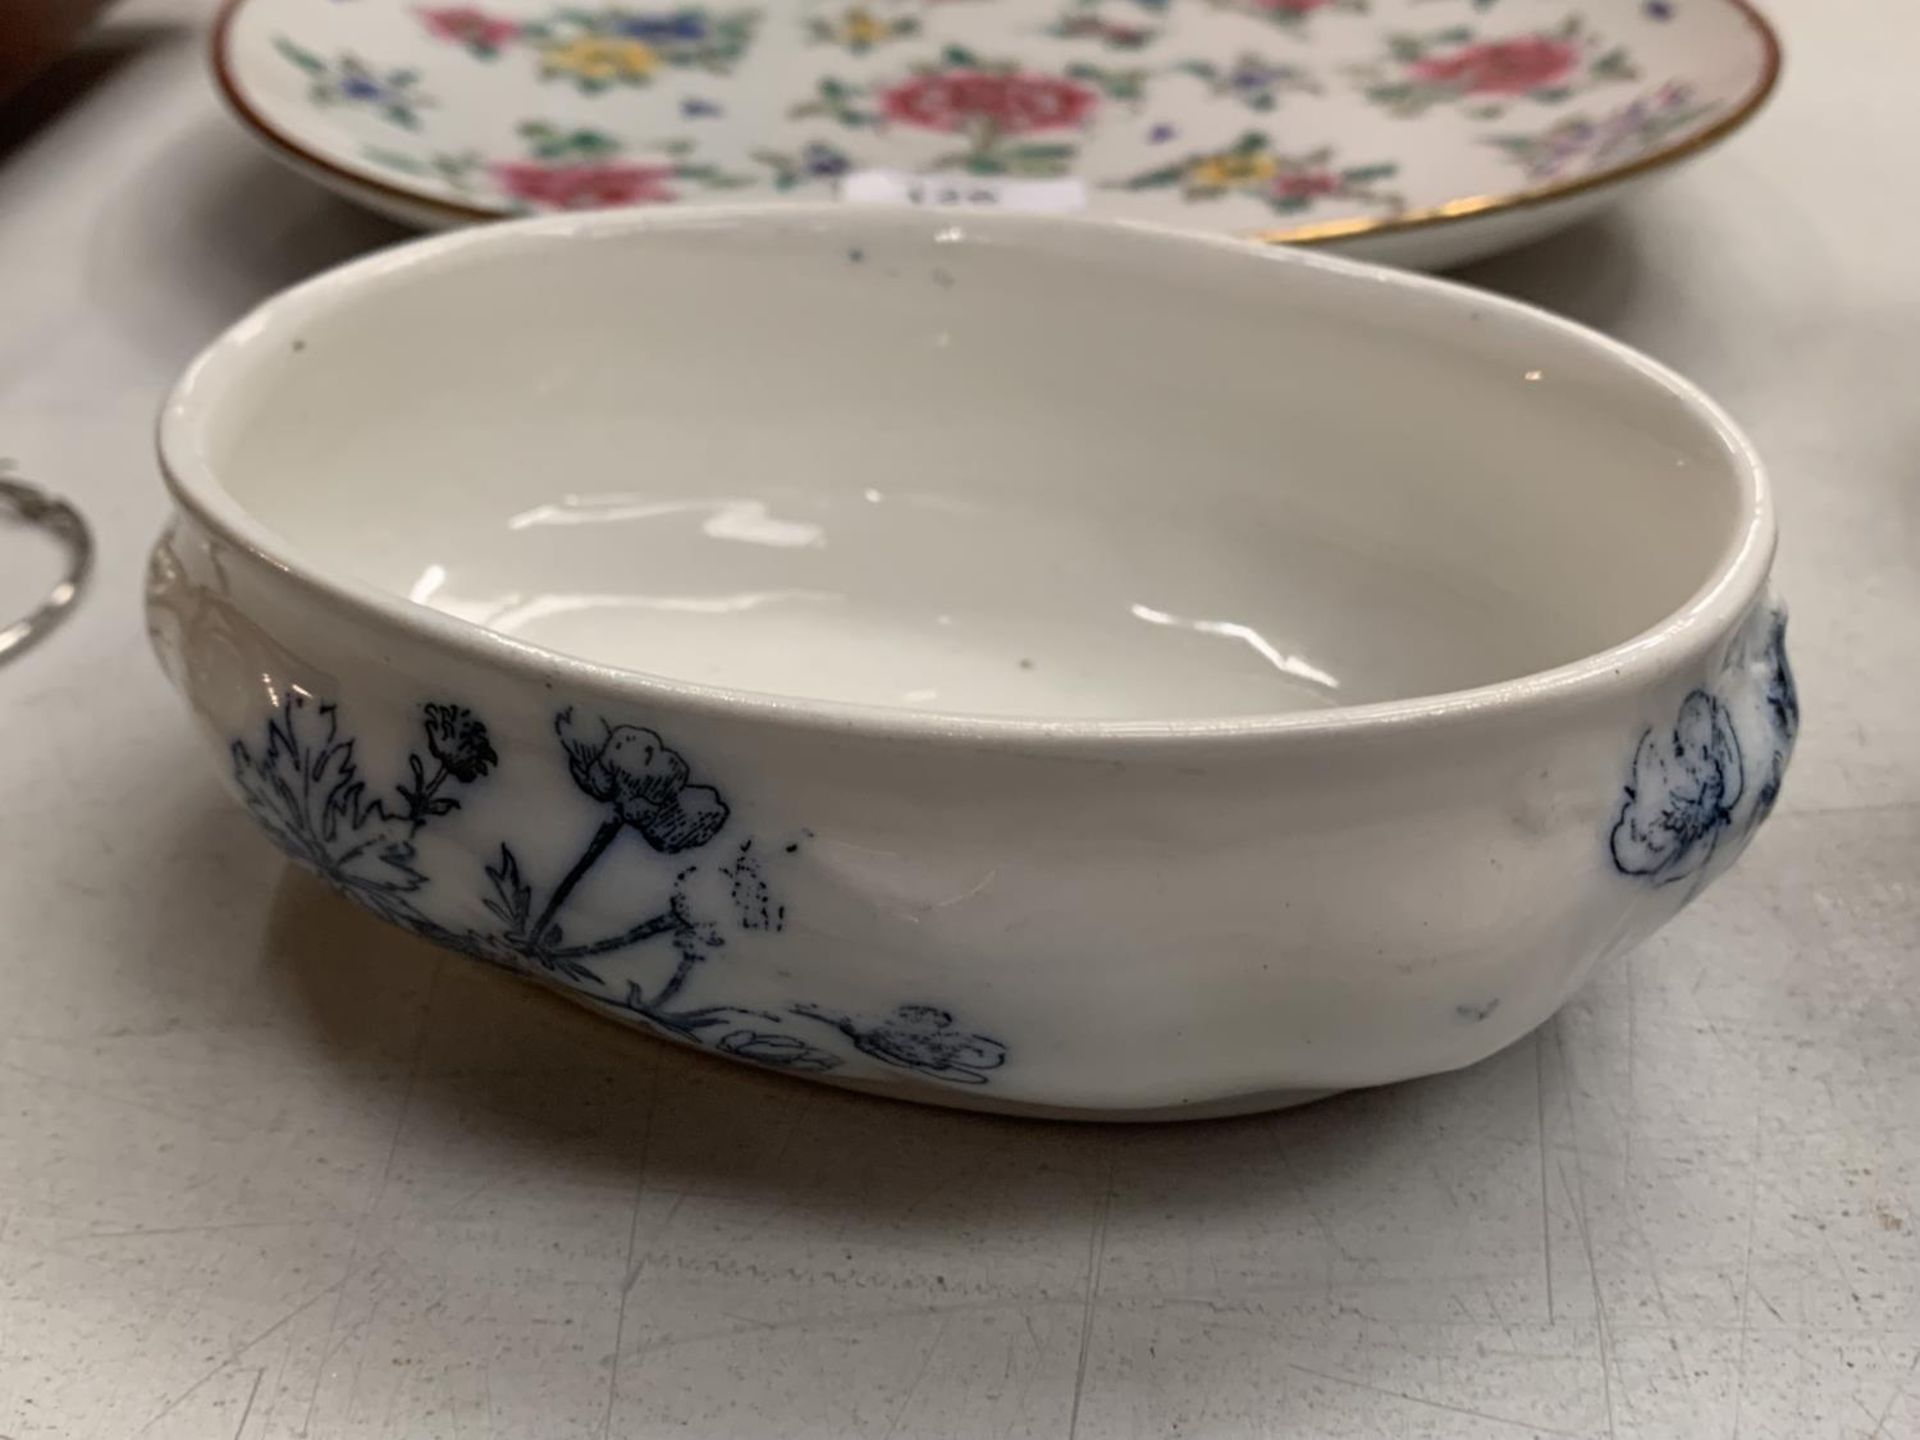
column 977, row 192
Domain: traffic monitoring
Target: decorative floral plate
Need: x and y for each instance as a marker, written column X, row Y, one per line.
column 1424, row 131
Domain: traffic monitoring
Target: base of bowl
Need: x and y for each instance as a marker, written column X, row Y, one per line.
column 954, row 1097
column 1224, row 1108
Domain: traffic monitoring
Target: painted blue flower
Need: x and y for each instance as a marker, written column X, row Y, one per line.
column 824, row 161
column 1160, row 134
column 922, row 1038
column 684, row 27
column 694, row 108
column 393, row 91
column 1659, row 9
column 350, row 80
column 1681, row 797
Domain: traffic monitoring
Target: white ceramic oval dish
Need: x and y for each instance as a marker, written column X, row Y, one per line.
column 1019, row 663
column 1423, row 132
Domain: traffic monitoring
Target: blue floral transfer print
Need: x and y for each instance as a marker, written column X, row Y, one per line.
column 1783, row 711
column 922, row 1038
column 303, row 785
column 1707, row 782
column 304, row 788
column 1681, row 798
column 457, row 744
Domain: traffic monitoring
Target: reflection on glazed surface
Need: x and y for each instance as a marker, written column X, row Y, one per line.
column 896, row 613
column 743, row 520
column 1290, row 665
column 904, row 598
column 964, row 476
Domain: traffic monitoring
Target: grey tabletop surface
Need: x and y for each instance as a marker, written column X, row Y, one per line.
column 268, row 1171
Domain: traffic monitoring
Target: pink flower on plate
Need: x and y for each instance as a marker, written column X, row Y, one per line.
column 1502, row 67
column 1011, row 104
column 587, row 186
column 466, row 25
column 1304, row 184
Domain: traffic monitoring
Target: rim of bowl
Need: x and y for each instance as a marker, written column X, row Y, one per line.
column 1447, row 212
column 1736, row 578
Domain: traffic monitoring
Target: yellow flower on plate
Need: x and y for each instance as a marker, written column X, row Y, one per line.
column 600, row 59
column 860, row 27
column 1231, row 170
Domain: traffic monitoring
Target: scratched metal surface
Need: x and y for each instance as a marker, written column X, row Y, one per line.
column 267, row 1171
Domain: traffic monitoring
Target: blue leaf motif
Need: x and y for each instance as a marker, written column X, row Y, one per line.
column 306, row 789
column 512, row 898
column 1685, row 785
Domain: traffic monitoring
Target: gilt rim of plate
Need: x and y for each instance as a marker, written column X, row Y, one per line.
column 1426, row 217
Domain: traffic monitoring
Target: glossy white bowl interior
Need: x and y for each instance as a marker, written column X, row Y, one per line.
column 1016, row 469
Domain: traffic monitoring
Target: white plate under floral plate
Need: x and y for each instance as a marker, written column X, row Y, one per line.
column 1420, row 131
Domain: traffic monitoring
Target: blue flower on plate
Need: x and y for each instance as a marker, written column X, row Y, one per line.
column 684, row 27
column 824, row 161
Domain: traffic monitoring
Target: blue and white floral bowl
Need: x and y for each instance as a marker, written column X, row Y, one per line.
column 1009, row 662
